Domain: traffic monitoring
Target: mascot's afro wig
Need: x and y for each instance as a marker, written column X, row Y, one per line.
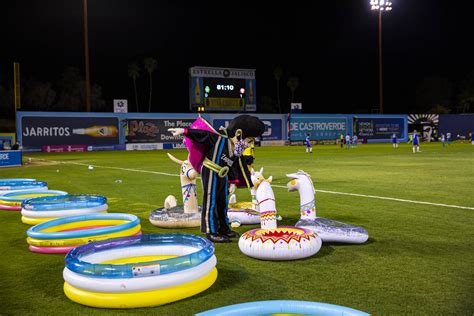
column 251, row 126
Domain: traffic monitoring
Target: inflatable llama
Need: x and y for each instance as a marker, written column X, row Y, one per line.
column 329, row 230
column 186, row 215
column 271, row 242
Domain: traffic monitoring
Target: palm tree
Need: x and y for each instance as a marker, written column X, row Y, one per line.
column 293, row 84
column 134, row 73
column 150, row 66
column 278, row 73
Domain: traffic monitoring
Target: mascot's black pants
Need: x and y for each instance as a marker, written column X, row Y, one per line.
column 214, row 208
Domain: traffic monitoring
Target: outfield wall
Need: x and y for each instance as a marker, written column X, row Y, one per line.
column 81, row 131
column 456, row 124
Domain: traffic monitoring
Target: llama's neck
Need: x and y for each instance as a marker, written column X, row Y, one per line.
column 267, row 206
column 190, row 201
column 307, row 202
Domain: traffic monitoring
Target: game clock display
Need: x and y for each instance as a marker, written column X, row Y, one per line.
column 223, row 88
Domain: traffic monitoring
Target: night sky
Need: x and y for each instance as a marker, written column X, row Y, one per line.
column 330, row 45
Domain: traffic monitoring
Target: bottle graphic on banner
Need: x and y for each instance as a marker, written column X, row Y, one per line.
column 197, row 92
column 251, row 92
column 97, row 131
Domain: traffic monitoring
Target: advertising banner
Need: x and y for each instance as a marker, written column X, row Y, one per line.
column 379, row 128
column 273, row 127
column 38, row 131
column 154, row 130
column 10, row 158
column 144, row 146
column 63, row 148
column 318, row 127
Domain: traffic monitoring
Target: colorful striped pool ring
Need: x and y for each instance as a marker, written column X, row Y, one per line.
column 13, row 200
column 56, row 250
column 10, row 208
column 130, row 272
column 76, row 230
column 140, row 299
column 18, row 185
column 40, row 209
column 63, row 212
column 50, row 250
column 70, row 201
column 281, row 307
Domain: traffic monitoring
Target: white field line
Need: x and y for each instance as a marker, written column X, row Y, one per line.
column 388, row 198
column 277, row 186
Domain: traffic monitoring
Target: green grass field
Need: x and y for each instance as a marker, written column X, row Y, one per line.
column 419, row 258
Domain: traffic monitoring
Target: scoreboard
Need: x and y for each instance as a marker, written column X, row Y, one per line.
column 222, row 89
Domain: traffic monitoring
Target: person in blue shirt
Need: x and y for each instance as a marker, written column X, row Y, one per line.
column 309, row 148
column 394, row 141
column 448, row 138
column 416, row 142
column 354, row 141
column 443, row 140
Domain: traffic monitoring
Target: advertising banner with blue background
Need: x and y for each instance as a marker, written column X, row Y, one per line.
column 10, row 158
column 318, row 127
column 274, row 124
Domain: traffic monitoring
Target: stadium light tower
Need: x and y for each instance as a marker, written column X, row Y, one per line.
column 381, row 6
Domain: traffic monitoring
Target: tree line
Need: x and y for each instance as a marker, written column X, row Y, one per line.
column 435, row 94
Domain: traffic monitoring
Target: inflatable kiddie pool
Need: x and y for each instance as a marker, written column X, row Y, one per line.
column 283, row 307
column 139, row 271
column 63, row 234
column 41, row 209
column 16, row 185
column 12, row 201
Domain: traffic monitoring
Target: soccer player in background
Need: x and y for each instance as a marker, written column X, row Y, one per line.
column 348, row 141
column 416, row 142
column 448, row 138
column 443, row 140
column 309, row 148
column 341, row 140
column 394, row 141
column 354, row 141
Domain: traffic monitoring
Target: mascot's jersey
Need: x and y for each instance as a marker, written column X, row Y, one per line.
column 208, row 143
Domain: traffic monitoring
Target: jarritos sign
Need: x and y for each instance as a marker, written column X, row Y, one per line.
column 38, row 131
column 154, row 130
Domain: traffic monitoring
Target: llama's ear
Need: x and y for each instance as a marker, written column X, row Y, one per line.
column 261, row 170
column 270, row 179
column 252, row 172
